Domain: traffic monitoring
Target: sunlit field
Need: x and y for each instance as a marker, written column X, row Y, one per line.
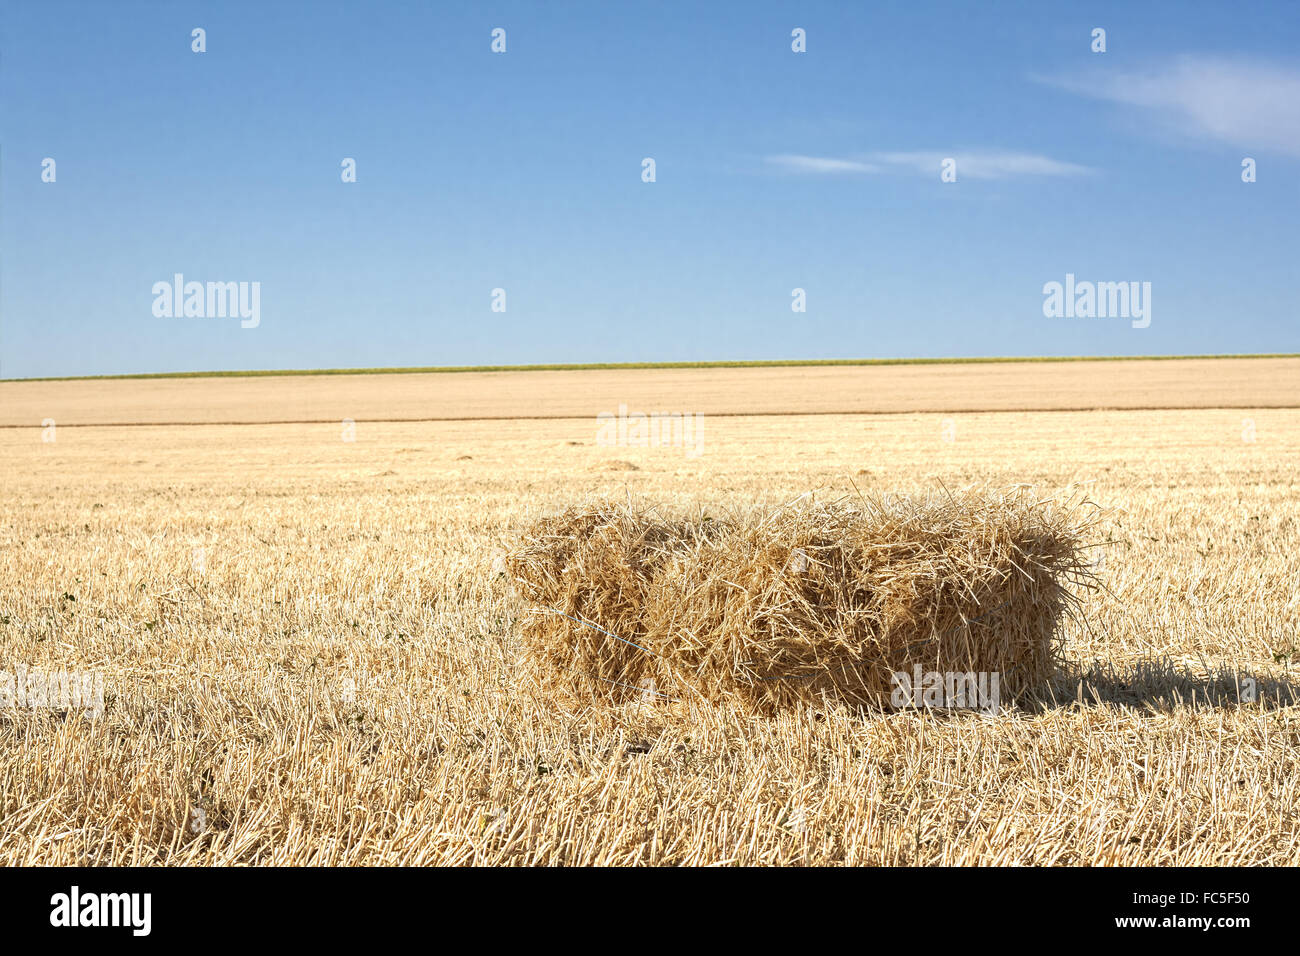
column 309, row 655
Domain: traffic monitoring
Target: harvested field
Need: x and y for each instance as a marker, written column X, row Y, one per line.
column 308, row 657
column 808, row 390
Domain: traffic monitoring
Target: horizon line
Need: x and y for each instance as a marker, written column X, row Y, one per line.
column 605, row 366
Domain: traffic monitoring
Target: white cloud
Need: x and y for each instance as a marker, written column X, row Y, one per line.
column 986, row 164
column 819, row 164
column 1247, row 104
column 970, row 164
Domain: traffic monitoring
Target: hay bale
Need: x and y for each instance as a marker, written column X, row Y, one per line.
column 809, row 601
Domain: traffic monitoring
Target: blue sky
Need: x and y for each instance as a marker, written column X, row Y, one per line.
column 775, row 170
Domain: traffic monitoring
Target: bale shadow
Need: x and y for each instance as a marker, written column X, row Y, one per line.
column 1161, row 685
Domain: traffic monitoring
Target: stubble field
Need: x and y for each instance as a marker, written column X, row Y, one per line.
column 308, row 656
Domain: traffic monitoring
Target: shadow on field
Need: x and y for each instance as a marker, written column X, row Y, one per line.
column 1161, row 684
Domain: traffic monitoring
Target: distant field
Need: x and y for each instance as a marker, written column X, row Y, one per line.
column 1266, row 382
column 588, row 366
column 309, row 656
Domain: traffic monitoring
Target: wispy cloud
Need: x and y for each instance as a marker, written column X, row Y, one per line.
column 1245, row 103
column 820, row 164
column 983, row 164
column 971, row 164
